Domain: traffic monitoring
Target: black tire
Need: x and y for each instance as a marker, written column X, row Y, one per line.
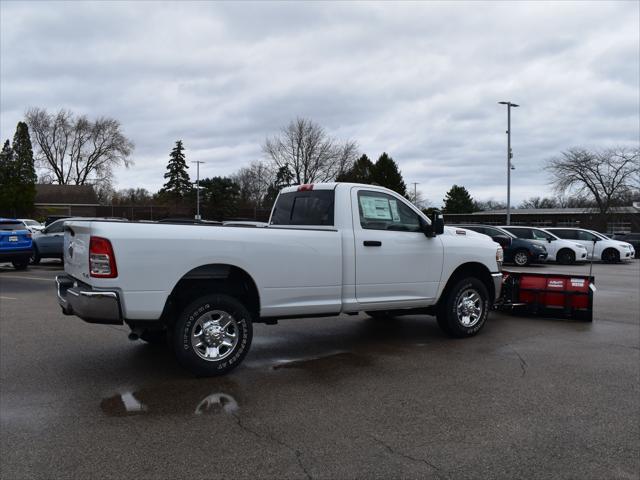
column 521, row 258
column 566, row 257
column 35, row 257
column 610, row 255
column 154, row 337
column 20, row 264
column 194, row 317
column 449, row 319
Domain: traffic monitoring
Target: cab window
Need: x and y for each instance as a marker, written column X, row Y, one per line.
column 311, row 207
column 379, row 211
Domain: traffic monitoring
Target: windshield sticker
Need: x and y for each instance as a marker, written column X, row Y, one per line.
column 375, row 208
column 394, row 210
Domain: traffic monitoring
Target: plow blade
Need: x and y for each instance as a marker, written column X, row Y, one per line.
column 548, row 294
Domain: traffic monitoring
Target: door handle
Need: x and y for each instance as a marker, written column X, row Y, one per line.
column 372, row 243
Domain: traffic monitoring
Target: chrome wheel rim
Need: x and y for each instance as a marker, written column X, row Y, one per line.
column 521, row 258
column 214, row 335
column 469, row 308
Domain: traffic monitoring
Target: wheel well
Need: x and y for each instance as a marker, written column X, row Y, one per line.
column 609, row 250
column 565, row 249
column 471, row 269
column 212, row 278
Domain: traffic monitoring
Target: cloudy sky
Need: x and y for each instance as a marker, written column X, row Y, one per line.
column 418, row 80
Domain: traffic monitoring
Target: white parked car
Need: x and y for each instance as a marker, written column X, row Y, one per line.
column 328, row 249
column 565, row 252
column 32, row 225
column 602, row 248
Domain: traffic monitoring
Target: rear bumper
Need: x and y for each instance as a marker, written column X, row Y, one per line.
column 92, row 306
column 8, row 255
column 497, row 285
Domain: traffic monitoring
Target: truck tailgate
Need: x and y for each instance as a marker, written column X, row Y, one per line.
column 76, row 249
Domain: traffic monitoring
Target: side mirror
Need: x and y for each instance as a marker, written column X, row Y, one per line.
column 549, row 239
column 503, row 240
column 436, row 227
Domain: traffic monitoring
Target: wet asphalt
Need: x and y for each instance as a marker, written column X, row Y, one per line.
column 344, row 397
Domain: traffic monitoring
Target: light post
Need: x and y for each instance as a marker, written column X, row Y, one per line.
column 415, row 193
column 197, row 162
column 509, row 157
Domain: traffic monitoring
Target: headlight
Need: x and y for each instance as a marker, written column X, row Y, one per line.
column 499, row 256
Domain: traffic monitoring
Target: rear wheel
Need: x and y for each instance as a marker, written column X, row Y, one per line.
column 463, row 312
column 566, row 257
column 521, row 258
column 212, row 335
column 20, row 264
column 610, row 255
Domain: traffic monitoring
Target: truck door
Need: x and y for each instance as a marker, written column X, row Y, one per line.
column 396, row 264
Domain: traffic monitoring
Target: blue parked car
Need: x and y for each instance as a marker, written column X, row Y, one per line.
column 15, row 243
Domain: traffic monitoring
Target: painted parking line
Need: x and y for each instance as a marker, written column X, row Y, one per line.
column 7, row 298
column 29, row 278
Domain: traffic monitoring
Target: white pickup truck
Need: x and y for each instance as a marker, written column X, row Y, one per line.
column 328, row 249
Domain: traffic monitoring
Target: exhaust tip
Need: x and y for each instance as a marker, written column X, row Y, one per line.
column 133, row 336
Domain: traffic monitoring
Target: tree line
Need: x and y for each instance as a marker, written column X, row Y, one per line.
column 73, row 149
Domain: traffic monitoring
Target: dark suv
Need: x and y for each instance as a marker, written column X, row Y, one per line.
column 520, row 251
column 632, row 238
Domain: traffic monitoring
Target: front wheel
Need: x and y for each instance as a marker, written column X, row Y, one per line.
column 610, row 255
column 566, row 257
column 463, row 312
column 213, row 335
column 521, row 258
column 35, row 256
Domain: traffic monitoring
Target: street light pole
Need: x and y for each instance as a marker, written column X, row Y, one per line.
column 197, row 162
column 509, row 157
column 415, row 193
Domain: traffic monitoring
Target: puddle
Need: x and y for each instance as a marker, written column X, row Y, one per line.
column 197, row 397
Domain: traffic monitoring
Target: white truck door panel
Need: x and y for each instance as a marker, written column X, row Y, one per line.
column 392, row 266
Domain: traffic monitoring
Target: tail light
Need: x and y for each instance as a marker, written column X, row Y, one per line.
column 102, row 261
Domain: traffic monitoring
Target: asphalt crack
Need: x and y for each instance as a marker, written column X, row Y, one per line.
column 426, row 462
column 268, row 436
column 523, row 362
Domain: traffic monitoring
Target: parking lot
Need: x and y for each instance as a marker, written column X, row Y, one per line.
column 345, row 397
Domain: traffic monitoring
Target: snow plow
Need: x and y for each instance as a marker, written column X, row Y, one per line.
column 548, row 294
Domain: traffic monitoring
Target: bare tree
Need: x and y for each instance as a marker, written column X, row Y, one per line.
column 539, row 202
column 418, row 199
column 254, row 182
column 74, row 150
column 604, row 175
column 309, row 153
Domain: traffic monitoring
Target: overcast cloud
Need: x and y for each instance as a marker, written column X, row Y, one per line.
column 420, row 81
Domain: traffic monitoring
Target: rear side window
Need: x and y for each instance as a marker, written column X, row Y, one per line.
column 521, row 232
column 11, row 226
column 566, row 234
column 304, row 208
column 55, row 227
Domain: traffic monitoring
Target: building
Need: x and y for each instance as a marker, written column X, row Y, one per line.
column 621, row 219
column 53, row 199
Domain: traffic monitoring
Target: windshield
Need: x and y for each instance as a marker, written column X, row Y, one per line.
column 599, row 235
column 30, row 222
column 11, row 225
column 542, row 235
column 502, row 231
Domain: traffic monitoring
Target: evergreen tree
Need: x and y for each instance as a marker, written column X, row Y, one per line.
column 284, row 178
column 386, row 174
column 220, row 196
column 458, row 200
column 7, row 184
column 24, row 170
column 178, row 183
column 360, row 172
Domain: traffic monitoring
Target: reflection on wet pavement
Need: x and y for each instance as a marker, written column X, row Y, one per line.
column 196, row 397
column 326, row 363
